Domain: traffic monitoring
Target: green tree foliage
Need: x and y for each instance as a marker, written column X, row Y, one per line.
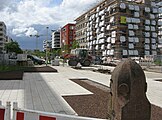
column 56, row 52
column 39, row 53
column 65, row 49
column 75, row 44
column 158, row 62
column 13, row 47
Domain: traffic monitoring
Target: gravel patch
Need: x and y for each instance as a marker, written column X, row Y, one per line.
column 11, row 75
column 159, row 80
column 40, row 69
column 96, row 105
column 18, row 75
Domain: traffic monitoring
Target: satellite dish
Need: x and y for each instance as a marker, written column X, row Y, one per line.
column 122, row 6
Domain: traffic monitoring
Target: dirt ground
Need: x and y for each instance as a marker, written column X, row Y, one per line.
column 11, row 75
column 159, row 80
column 18, row 75
column 40, row 69
column 96, row 105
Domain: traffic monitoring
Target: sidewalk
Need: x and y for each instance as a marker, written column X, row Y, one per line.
column 154, row 90
column 44, row 91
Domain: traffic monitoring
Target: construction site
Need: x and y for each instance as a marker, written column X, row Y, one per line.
column 119, row 29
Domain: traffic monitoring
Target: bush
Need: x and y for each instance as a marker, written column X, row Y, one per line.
column 10, row 68
column 158, row 62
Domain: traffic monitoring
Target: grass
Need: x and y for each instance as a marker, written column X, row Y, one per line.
column 4, row 68
column 158, row 62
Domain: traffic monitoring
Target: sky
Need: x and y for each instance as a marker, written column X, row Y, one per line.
column 29, row 17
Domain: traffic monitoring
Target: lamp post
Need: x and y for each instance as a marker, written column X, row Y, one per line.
column 63, row 51
column 37, row 36
column 46, row 46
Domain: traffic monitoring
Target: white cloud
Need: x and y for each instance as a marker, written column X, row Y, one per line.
column 31, row 31
column 24, row 31
column 18, row 31
column 28, row 13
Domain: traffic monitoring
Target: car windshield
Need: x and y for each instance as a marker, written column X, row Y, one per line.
column 35, row 57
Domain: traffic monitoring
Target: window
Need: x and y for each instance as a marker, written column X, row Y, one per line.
column 64, row 29
column 122, row 10
column 71, row 32
column 70, row 37
column 71, row 27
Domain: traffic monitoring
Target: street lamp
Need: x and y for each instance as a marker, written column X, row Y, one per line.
column 46, row 46
column 37, row 36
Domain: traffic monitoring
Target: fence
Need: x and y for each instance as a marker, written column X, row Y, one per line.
column 4, row 59
column 13, row 59
column 25, row 114
column 5, row 112
column 151, row 60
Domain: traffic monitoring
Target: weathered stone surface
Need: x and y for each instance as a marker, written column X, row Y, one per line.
column 128, row 90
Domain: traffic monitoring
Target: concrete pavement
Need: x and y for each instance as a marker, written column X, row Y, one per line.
column 154, row 92
column 44, row 91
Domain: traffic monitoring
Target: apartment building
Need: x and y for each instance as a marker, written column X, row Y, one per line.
column 2, row 36
column 120, row 28
column 8, row 39
column 67, row 35
column 160, row 27
column 81, row 28
column 47, row 45
column 56, row 40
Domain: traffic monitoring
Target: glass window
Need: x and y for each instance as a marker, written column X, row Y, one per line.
column 71, row 27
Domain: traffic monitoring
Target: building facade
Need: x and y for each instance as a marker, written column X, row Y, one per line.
column 2, row 36
column 67, row 36
column 81, row 28
column 160, row 27
column 120, row 29
column 8, row 39
column 47, row 45
column 56, row 40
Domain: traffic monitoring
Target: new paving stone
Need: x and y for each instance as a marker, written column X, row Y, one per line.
column 44, row 91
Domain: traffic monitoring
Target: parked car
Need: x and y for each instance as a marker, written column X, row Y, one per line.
column 36, row 60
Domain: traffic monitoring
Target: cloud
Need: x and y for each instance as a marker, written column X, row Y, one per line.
column 19, row 31
column 24, row 31
column 27, row 13
column 4, row 3
column 31, row 31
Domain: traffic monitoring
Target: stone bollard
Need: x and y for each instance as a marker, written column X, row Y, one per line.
column 128, row 93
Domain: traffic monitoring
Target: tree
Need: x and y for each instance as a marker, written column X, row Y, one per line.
column 56, row 52
column 39, row 53
column 13, row 47
column 75, row 44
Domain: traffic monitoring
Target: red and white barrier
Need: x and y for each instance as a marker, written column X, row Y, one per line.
column 5, row 111
column 32, row 116
column 24, row 114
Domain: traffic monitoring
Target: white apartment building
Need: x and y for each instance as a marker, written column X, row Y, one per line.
column 47, row 45
column 56, row 40
column 160, row 25
column 8, row 39
column 2, row 36
column 120, row 28
column 81, row 28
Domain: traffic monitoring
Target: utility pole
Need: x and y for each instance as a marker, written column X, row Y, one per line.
column 46, row 46
column 37, row 40
column 37, row 36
